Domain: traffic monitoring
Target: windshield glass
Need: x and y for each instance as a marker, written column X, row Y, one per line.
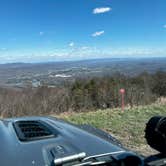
column 99, row 64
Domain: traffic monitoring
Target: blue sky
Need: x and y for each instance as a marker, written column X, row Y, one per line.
column 57, row 30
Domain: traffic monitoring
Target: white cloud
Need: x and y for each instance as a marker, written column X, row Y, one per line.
column 164, row 26
column 84, row 48
column 101, row 10
column 77, row 53
column 3, row 48
column 98, row 33
column 41, row 33
column 134, row 52
column 71, row 44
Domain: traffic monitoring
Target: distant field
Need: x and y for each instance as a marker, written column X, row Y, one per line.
column 21, row 75
column 126, row 126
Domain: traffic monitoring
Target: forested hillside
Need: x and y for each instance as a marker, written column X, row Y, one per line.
column 83, row 95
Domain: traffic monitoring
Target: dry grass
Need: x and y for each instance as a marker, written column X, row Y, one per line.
column 126, row 126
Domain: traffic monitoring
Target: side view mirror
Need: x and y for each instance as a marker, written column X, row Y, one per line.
column 155, row 133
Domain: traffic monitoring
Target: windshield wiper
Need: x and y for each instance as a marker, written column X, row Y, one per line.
column 81, row 159
column 61, row 161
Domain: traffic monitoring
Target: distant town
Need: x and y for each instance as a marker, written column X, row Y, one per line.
column 20, row 75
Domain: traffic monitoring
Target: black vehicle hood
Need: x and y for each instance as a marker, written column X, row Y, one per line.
column 69, row 140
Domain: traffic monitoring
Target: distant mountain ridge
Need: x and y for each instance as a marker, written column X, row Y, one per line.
column 16, row 74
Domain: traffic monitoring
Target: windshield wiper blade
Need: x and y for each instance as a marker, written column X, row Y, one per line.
column 83, row 160
column 61, row 161
column 102, row 155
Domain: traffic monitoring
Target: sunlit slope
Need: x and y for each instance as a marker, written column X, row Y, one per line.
column 127, row 126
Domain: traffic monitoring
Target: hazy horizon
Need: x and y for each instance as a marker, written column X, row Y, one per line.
column 82, row 60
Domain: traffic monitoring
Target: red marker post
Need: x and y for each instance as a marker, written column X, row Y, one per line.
column 122, row 92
